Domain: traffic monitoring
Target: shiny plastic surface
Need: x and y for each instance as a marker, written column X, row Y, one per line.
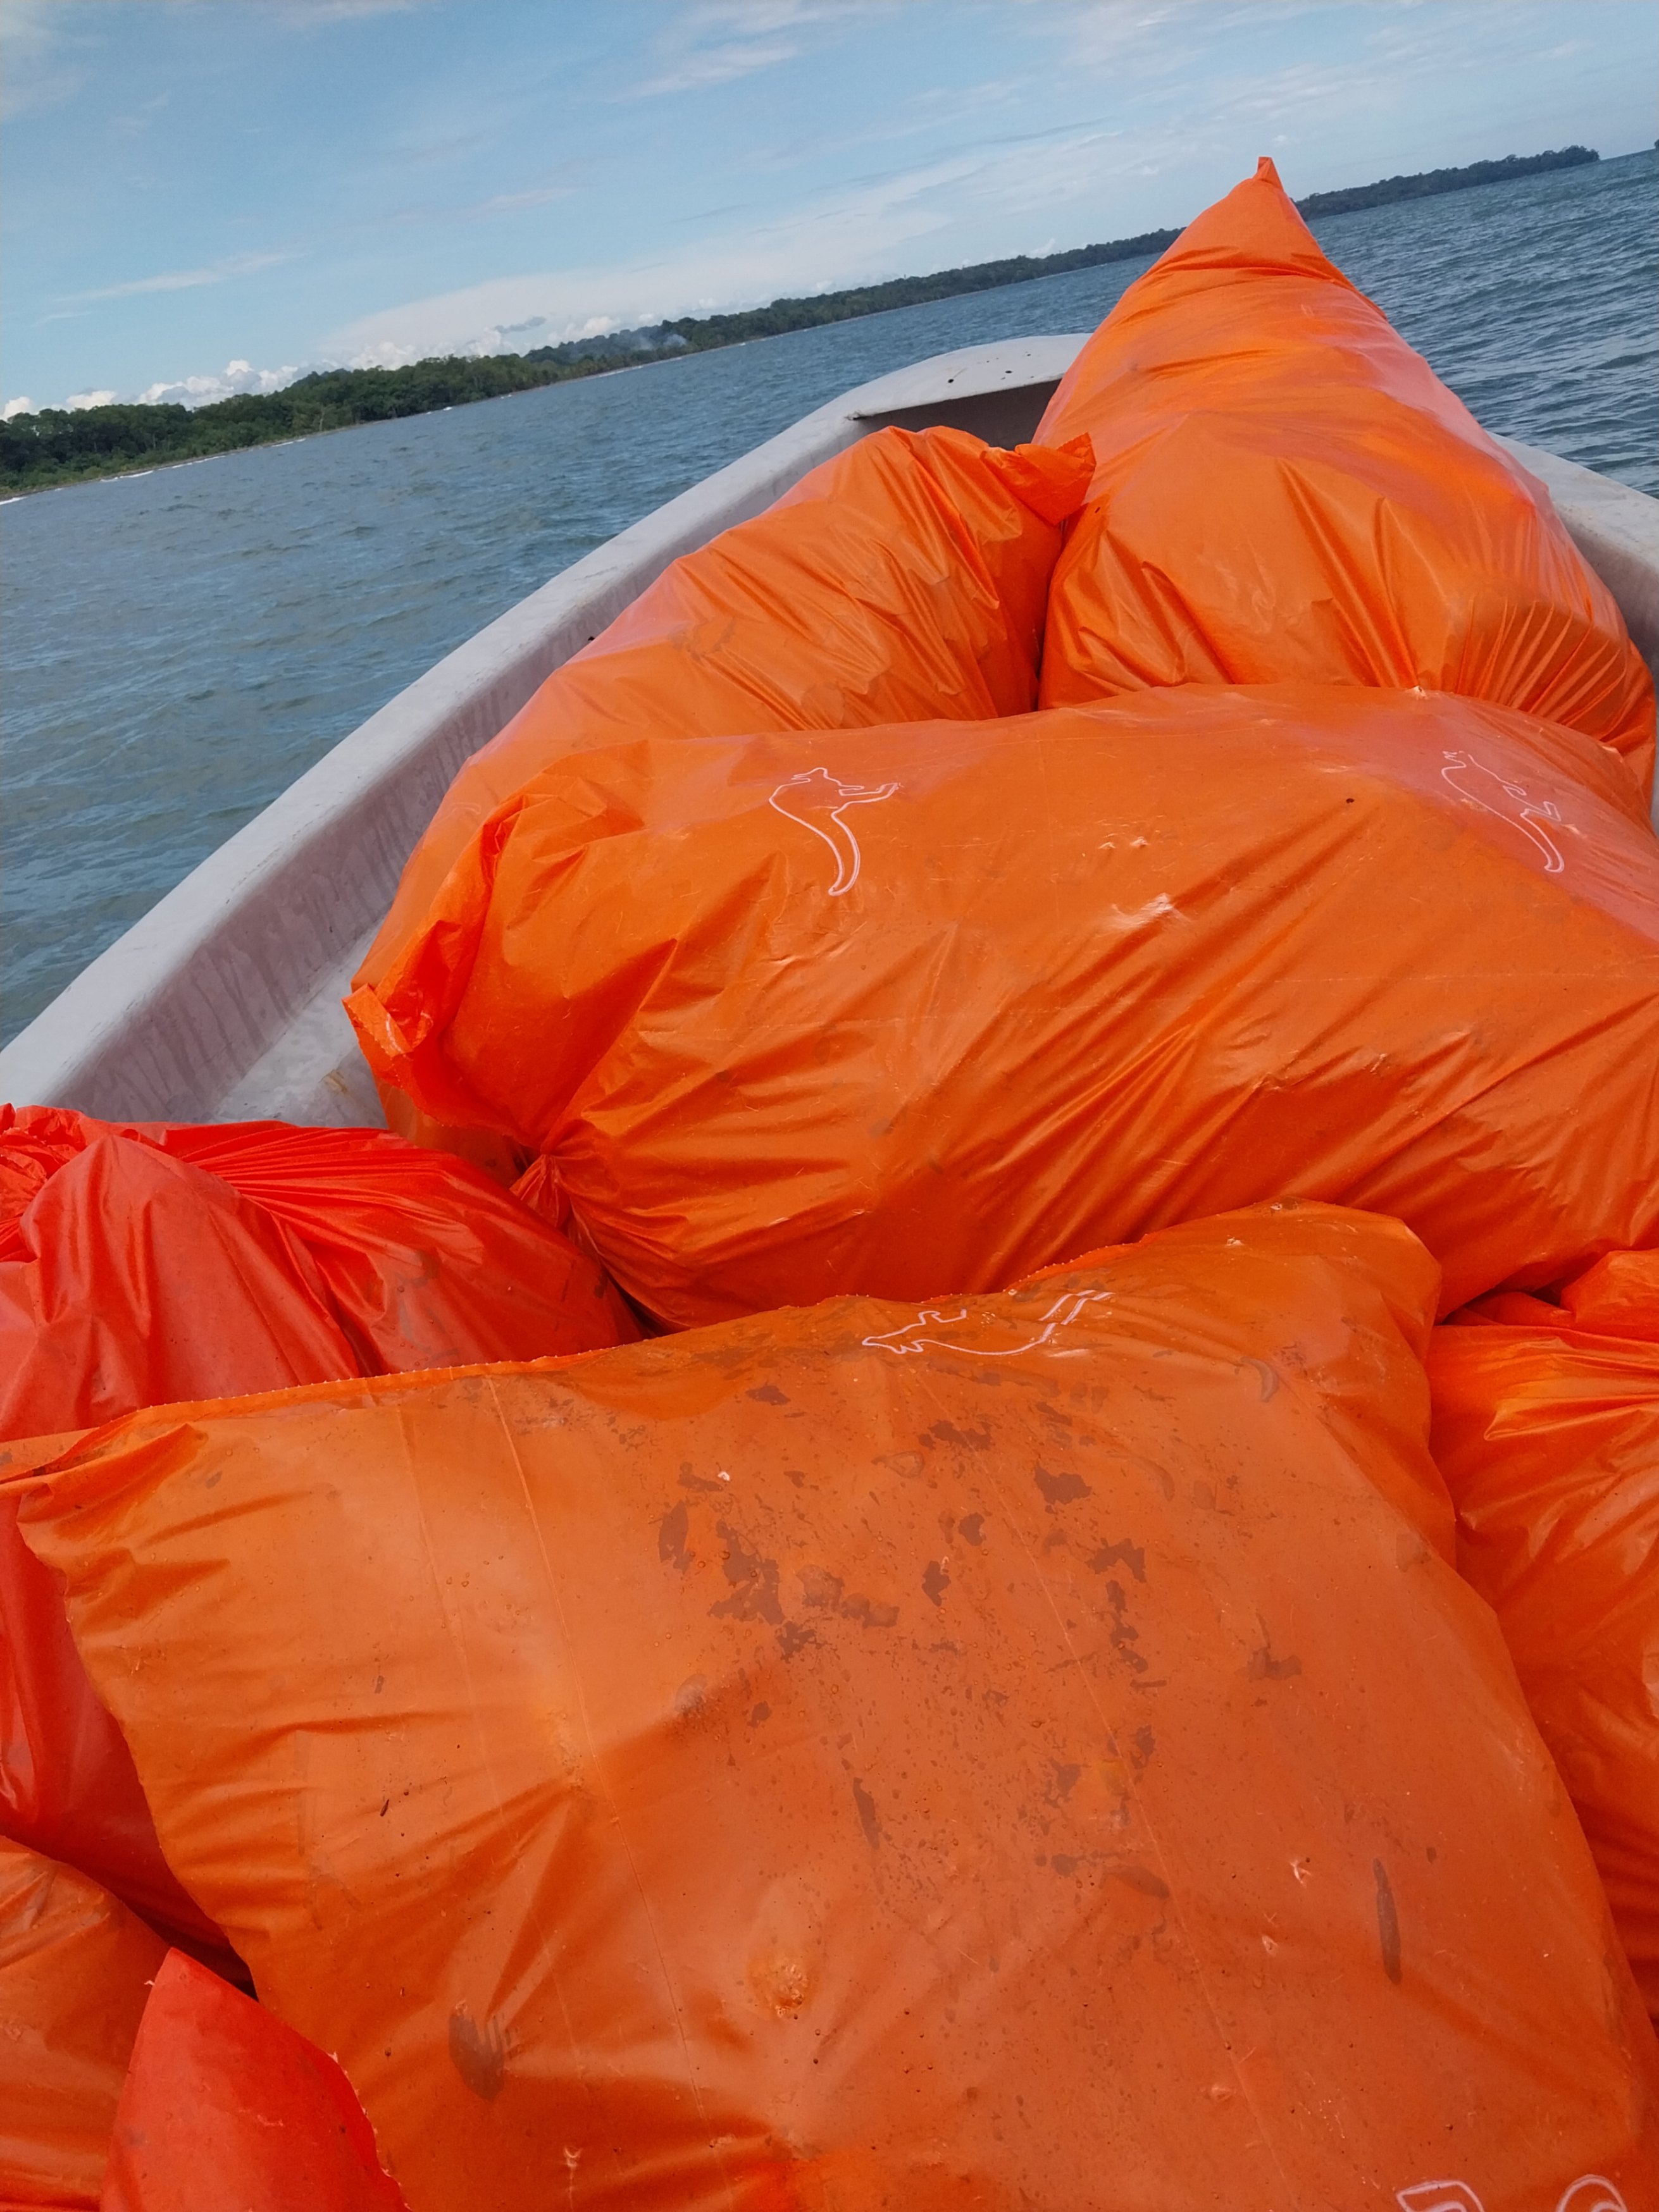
column 904, row 579
column 1022, row 1751
column 317, row 1252
column 74, row 1967
column 929, row 1006
column 147, row 1263
column 225, row 2109
column 1546, row 1425
column 67, row 1782
column 1285, row 490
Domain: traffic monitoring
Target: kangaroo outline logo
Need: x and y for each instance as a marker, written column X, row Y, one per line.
column 913, row 1335
column 1527, row 815
column 815, row 792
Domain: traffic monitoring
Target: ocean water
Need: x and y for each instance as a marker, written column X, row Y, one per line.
column 177, row 646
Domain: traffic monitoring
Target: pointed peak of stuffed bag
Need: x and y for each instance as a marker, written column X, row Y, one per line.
column 1255, row 226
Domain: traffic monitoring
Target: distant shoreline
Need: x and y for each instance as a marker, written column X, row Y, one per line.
column 56, row 446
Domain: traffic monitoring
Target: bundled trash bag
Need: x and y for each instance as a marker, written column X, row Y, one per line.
column 1030, row 1749
column 1546, row 1425
column 75, row 1970
column 144, row 1263
column 1284, row 489
column 903, row 580
column 141, row 1262
column 225, row 2108
column 939, row 1003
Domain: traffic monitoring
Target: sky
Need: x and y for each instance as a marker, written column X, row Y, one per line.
column 209, row 196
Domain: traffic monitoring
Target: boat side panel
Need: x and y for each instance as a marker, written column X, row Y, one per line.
column 1616, row 529
column 1001, row 418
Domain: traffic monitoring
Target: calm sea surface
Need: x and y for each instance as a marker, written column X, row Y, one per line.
column 178, row 647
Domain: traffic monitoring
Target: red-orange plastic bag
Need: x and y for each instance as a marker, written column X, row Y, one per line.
column 1284, row 489
column 68, row 1788
column 1547, row 1429
column 941, row 1004
column 144, row 1263
column 224, row 2109
column 904, row 580
column 316, row 1253
column 1029, row 1750
column 75, row 1968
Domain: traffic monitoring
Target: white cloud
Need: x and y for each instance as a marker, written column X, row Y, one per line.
column 16, row 407
column 187, row 280
column 304, row 13
column 857, row 235
column 78, row 399
column 34, row 72
column 719, row 40
column 240, row 378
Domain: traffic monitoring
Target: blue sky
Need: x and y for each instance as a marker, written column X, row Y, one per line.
column 278, row 184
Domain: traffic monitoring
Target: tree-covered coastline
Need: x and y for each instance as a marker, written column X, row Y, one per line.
column 1428, row 182
column 59, row 446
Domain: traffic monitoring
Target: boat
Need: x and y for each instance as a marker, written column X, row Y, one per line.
column 222, row 1004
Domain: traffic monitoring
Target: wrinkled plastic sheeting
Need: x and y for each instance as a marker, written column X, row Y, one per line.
column 75, row 1970
column 319, row 1253
column 144, row 1263
column 68, row 1786
column 939, row 1003
column 903, row 580
column 883, row 1754
column 1546, row 1425
column 1284, row 489
column 225, row 2108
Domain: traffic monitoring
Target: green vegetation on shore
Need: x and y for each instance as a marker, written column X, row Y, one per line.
column 59, row 446
column 1431, row 181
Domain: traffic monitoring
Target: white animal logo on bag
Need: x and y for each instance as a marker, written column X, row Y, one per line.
column 815, row 799
column 1591, row 2192
column 1485, row 789
column 924, row 1330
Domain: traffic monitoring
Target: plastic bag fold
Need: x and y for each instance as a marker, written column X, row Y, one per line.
column 1546, row 1425
column 1284, row 490
column 75, row 1971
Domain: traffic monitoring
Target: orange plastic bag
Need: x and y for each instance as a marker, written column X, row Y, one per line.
column 75, row 1967
column 1284, row 489
column 317, row 1253
column 1024, row 1750
column 1547, row 1430
column 903, row 580
column 68, row 1788
column 144, row 1263
column 225, row 2108
column 942, row 1004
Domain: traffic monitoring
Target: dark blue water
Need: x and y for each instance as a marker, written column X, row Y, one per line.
column 178, row 647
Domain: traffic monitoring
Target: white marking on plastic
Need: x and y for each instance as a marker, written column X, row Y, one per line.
column 911, row 1337
column 1526, row 814
column 1592, row 2192
column 1162, row 908
column 815, row 788
column 1438, row 2197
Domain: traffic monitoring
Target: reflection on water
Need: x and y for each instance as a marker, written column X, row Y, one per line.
column 178, row 647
